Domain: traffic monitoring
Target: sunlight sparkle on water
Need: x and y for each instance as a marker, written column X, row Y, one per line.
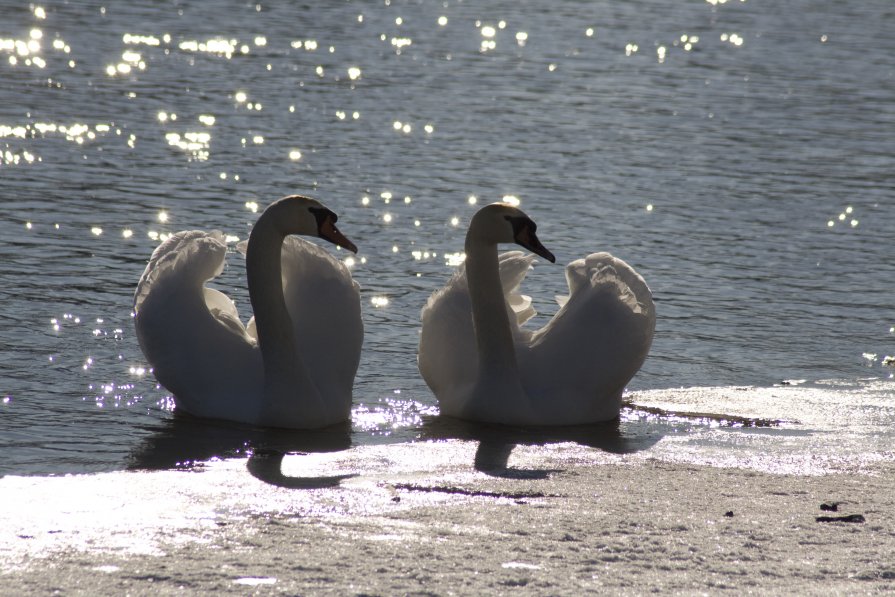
column 309, row 44
column 194, row 143
column 129, row 61
column 131, row 39
column 401, row 42
column 403, row 127
column 454, row 259
column 489, row 43
column 220, row 47
column 379, row 301
column 511, row 200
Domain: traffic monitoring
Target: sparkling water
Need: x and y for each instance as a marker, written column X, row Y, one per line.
column 737, row 154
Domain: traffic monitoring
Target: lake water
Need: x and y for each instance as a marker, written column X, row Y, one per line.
column 738, row 154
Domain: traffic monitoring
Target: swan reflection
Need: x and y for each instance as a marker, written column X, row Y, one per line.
column 186, row 443
column 628, row 434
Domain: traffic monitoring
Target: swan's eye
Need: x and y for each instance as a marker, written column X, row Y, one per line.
column 321, row 214
column 520, row 224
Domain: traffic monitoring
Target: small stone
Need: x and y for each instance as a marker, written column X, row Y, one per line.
column 729, row 514
column 830, row 506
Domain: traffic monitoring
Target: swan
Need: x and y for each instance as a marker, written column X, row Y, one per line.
column 293, row 364
column 483, row 366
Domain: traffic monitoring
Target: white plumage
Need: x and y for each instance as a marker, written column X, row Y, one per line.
column 294, row 366
column 482, row 365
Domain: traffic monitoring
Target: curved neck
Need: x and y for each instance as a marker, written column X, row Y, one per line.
column 284, row 372
column 494, row 339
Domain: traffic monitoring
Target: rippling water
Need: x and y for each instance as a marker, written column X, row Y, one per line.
column 738, row 154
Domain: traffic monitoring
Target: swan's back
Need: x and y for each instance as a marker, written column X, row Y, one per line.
column 191, row 335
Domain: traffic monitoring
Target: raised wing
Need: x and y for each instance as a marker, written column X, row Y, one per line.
column 192, row 335
column 315, row 285
column 598, row 339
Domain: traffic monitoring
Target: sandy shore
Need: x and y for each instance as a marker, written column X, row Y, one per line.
column 443, row 517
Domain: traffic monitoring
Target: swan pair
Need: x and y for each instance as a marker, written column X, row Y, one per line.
column 293, row 364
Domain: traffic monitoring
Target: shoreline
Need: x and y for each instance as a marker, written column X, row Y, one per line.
column 434, row 517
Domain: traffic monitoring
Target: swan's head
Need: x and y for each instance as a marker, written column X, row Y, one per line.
column 302, row 215
column 504, row 223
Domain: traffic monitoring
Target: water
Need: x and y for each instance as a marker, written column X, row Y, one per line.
column 737, row 154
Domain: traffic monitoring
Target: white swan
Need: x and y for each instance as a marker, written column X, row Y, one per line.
column 293, row 365
column 481, row 365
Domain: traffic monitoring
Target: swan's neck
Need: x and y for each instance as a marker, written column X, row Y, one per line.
column 285, row 375
column 494, row 339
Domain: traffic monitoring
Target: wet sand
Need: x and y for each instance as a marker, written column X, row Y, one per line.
column 449, row 516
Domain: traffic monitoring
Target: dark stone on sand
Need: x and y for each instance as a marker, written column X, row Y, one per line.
column 830, row 506
column 849, row 518
column 729, row 514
